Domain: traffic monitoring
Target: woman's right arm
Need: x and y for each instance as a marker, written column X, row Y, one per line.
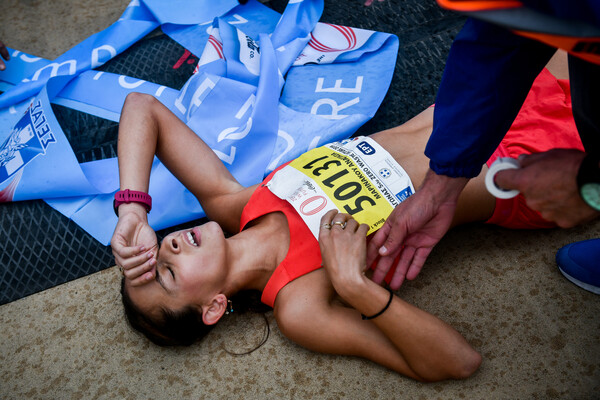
column 148, row 128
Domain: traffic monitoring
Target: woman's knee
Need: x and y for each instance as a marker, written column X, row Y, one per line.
column 139, row 101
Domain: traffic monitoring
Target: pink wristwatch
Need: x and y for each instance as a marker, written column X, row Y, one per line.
column 131, row 196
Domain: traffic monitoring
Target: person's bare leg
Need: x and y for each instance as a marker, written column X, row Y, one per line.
column 406, row 143
column 558, row 65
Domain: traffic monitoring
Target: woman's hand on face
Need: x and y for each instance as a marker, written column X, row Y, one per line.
column 343, row 243
column 134, row 244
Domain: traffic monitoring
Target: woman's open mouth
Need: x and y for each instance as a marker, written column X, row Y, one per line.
column 192, row 238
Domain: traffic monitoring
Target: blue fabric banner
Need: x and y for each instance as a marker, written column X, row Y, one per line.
column 267, row 88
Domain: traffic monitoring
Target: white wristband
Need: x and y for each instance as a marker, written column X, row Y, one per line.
column 500, row 165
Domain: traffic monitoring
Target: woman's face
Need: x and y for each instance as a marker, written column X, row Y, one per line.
column 190, row 269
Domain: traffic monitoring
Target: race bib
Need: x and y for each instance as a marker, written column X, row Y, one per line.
column 355, row 176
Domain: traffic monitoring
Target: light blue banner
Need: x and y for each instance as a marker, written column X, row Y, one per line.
column 268, row 87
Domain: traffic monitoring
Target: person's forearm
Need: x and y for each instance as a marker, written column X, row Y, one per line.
column 149, row 128
column 136, row 146
column 432, row 348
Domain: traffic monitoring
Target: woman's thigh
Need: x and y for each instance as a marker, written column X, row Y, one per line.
column 406, row 143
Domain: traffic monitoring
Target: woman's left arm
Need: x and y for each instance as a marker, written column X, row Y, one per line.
column 418, row 344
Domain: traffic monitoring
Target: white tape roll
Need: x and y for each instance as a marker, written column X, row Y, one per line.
column 500, row 165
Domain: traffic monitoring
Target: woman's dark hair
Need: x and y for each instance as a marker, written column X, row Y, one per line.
column 182, row 327
column 172, row 328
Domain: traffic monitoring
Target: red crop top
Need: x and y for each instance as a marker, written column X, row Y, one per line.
column 304, row 254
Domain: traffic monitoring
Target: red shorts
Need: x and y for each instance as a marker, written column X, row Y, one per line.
column 544, row 122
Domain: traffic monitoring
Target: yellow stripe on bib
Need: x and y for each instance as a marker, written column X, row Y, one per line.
column 346, row 184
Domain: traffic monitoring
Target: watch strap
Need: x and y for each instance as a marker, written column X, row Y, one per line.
column 589, row 172
column 131, row 196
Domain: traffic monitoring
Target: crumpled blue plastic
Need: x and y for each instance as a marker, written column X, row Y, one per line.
column 268, row 87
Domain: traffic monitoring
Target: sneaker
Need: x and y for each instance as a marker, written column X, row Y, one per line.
column 579, row 262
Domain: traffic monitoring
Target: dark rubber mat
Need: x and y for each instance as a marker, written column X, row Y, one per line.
column 39, row 248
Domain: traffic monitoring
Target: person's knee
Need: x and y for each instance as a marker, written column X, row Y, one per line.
column 139, row 101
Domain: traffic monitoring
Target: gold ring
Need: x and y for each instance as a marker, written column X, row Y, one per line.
column 340, row 223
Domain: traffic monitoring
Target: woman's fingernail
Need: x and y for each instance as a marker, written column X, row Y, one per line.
column 382, row 250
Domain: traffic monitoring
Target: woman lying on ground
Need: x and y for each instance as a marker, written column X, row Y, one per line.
column 175, row 298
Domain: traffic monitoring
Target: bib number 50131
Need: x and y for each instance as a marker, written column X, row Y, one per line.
column 345, row 191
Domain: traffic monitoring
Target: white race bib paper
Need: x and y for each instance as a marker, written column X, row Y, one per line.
column 355, row 176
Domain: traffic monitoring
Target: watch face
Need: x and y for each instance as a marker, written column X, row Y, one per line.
column 590, row 192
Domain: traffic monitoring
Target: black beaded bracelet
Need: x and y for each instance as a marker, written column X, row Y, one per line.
column 384, row 308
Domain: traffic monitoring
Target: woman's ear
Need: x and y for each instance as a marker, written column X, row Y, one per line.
column 212, row 313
